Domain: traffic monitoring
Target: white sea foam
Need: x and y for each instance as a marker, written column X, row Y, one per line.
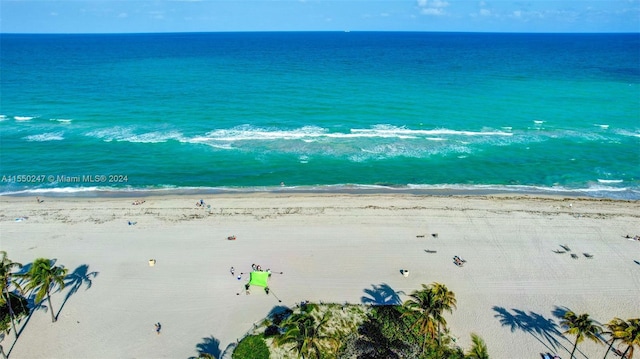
column 123, row 134
column 3, row 117
column 111, row 134
column 49, row 136
column 538, row 122
column 23, row 118
column 604, row 127
column 62, row 121
column 248, row 133
column 609, row 181
column 154, row 137
column 391, row 131
column 627, row 133
column 594, row 191
column 313, row 133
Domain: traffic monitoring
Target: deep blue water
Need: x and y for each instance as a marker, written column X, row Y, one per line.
column 549, row 113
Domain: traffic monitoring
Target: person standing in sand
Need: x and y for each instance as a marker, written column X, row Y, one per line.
column 158, row 327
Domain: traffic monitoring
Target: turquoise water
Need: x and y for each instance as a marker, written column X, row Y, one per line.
column 544, row 113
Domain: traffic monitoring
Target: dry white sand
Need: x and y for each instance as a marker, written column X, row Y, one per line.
column 331, row 248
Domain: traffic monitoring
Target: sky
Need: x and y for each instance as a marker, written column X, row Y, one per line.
column 134, row 16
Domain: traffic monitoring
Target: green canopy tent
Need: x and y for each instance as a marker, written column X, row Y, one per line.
column 259, row 279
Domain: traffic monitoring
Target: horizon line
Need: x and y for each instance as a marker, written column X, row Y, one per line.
column 318, row 31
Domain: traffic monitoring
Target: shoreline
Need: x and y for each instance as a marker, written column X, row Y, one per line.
column 348, row 189
column 331, row 248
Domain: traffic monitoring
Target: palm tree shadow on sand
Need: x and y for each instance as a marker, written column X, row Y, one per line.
column 31, row 303
column 381, row 294
column 208, row 348
column 31, row 300
column 559, row 313
column 545, row 330
column 77, row 279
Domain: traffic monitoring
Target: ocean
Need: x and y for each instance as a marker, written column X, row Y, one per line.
column 417, row 112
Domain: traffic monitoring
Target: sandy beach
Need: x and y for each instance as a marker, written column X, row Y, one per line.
column 328, row 247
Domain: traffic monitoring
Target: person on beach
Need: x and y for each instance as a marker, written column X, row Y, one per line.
column 158, row 327
column 233, row 271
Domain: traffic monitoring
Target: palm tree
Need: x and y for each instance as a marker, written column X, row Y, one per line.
column 427, row 306
column 629, row 333
column 305, row 332
column 42, row 277
column 581, row 326
column 446, row 302
column 614, row 331
column 478, row 348
column 6, row 272
column 422, row 306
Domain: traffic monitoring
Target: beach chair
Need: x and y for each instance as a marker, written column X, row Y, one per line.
column 458, row 261
column 588, row 255
column 565, row 247
column 558, row 251
column 574, row 256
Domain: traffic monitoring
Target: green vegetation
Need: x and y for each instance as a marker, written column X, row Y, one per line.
column 478, row 348
column 581, row 326
column 416, row 329
column 627, row 332
column 10, row 302
column 426, row 308
column 42, row 277
column 9, row 314
column 251, row 347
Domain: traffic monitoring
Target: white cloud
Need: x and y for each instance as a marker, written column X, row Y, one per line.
column 432, row 11
column 525, row 16
column 439, row 3
column 485, row 12
column 432, row 7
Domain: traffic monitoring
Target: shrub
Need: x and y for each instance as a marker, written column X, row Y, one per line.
column 251, row 347
column 20, row 309
column 271, row 331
